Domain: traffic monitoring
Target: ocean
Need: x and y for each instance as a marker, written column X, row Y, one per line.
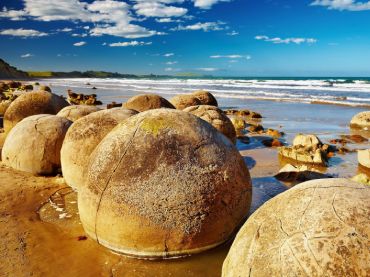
column 346, row 91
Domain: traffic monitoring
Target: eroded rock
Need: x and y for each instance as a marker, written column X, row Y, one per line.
column 75, row 112
column 146, row 102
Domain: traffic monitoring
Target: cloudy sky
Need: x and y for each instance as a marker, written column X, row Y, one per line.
column 216, row 37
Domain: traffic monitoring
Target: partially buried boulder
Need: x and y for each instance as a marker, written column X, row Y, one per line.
column 205, row 97
column 361, row 120
column 146, row 102
column 183, row 101
column 32, row 103
column 82, row 138
column 164, row 183
column 216, row 117
column 317, row 228
column 34, row 144
column 75, row 112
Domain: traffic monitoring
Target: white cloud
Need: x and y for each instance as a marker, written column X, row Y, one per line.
column 78, row 44
column 248, row 57
column 349, row 5
column 28, row 55
column 129, row 43
column 167, row 55
column 111, row 17
column 13, row 14
column 207, row 4
column 65, row 30
column 208, row 69
column 233, row 33
column 167, row 20
column 171, row 63
column 22, row 33
column 206, row 26
column 157, row 9
column 79, row 35
column 278, row 40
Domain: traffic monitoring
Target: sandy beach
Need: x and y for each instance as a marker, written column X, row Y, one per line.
column 41, row 233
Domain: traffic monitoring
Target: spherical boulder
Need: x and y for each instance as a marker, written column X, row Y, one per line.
column 317, row 228
column 361, row 120
column 205, row 97
column 32, row 103
column 82, row 138
column 183, row 101
column 216, row 117
column 146, row 102
column 34, row 144
column 164, row 183
column 75, row 112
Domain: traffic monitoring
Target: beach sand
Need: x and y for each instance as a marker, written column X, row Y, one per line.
column 41, row 234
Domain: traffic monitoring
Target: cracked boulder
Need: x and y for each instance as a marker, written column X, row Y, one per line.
column 162, row 184
column 146, row 102
column 83, row 137
column 216, row 117
column 32, row 103
column 361, row 120
column 34, row 144
column 75, row 112
column 317, row 228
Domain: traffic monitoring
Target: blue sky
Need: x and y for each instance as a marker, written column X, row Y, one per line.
column 215, row 37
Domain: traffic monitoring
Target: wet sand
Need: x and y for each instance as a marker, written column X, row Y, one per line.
column 41, row 234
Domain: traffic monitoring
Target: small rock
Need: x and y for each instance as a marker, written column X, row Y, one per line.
column 362, row 179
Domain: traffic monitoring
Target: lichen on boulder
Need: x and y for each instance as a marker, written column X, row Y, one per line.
column 162, row 184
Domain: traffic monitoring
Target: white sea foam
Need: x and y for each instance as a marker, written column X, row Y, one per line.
column 355, row 93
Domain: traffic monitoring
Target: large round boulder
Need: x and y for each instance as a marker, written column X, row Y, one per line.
column 183, row 101
column 146, row 102
column 34, row 144
column 361, row 120
column 164, row 183
column 82, row 138
column 216, row 117
column 75, row 112
column 205, row 97
column 317, row 228
column 32, row 103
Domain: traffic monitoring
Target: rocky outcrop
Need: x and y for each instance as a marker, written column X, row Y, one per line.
column 307, row 149
column 312, row 229
column 9, row 72
column 82, row 99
